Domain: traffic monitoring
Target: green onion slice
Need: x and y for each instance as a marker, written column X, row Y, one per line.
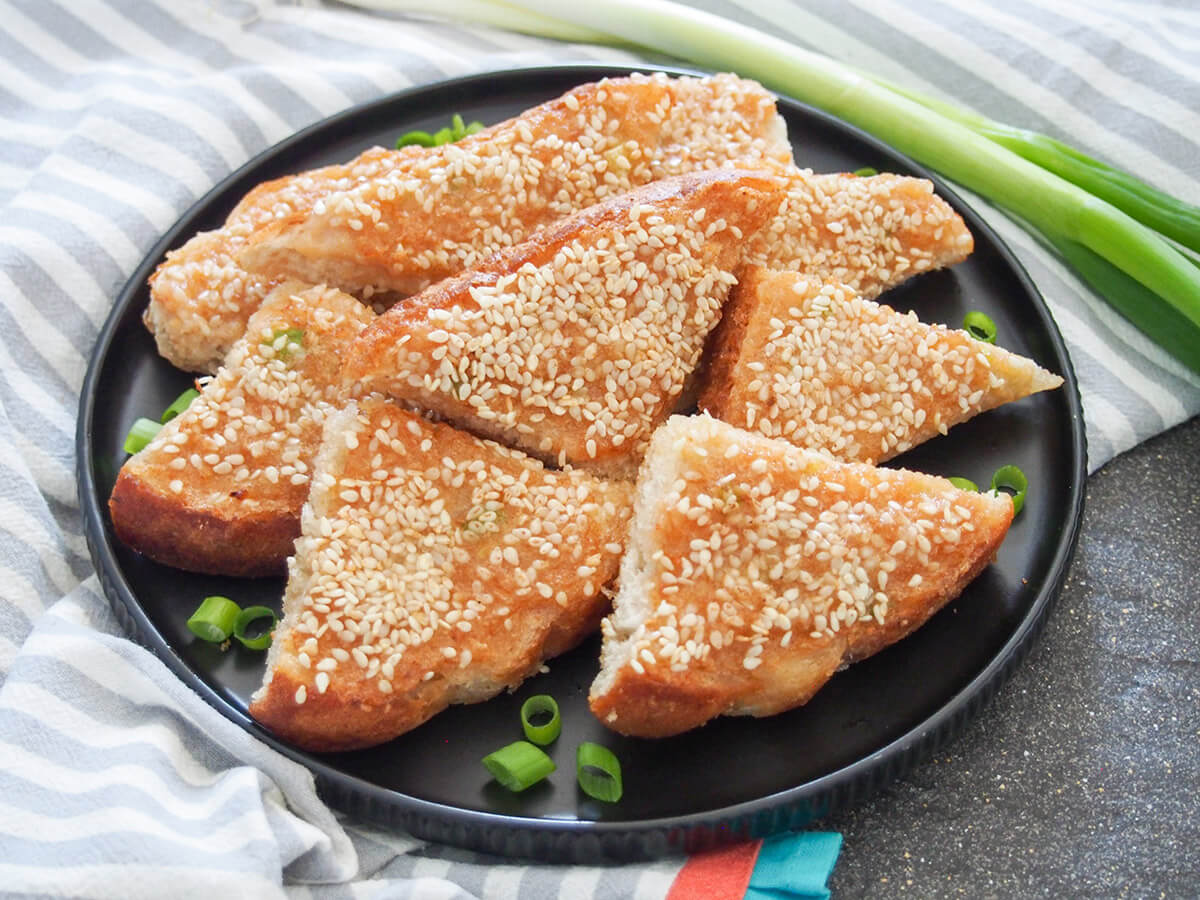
column 473, row 128
column 519, row 765
column 1013, row 479
column 458, row 128
column 980, row 326
column 537, row 707
column 865, row 171
column 214, row 620
column 245, row 618
column 443, row 136
column 599, row 772
column 421, row 138
column 179, row 404
column 140, row 434
column 963, row 484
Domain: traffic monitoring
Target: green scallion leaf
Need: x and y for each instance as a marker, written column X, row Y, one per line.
column 420, row 138
column 443, row 136
column 980, row 326
column 141, row 433
column 179, row 404
column 598, row 772
column 214, row 620
column 458, row 128
column 541, row 706
column 473, row 128
column 246, row 618
column 519, row 765
column 963, row 484
column 1010, row 478
column 865, row 172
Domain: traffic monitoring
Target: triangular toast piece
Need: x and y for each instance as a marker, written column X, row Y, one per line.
column 448, row 209
column 201, row 297
column 819, row 365
column 434, row 568
column 220, row 487
column 869, row 232
column 755, row 569
column 576, row 344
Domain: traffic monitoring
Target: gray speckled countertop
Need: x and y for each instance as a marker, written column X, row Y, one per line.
column 1082, row 778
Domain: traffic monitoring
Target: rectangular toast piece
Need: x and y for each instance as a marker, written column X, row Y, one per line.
column 444, row 211
column 869, row 232
column 576, row 344
column 434, row 568
column 220, row 487
column 818, row 364
column 755, row 569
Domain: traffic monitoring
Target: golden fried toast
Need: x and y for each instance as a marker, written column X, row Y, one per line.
column 446, row 210
column 869, row 232
column 576, row 344
column 201, row 297
column 220, row 487
column 821, row 366
column 433, row 568
column 755, row 569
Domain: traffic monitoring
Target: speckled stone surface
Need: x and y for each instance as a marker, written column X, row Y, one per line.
column 1082, row 778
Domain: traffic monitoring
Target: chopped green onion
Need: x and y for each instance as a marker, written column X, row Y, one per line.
column 179, row 404
column 141, row 433
column 519, row 765
column 599, row 772
column 245, row 618
column 420, row 138
column 537, row 707
column 963, row 484
column 1012, row 479
column 865, row 171
column 980, row 326
column 214, row 620
column 965, row 148
column 456, row 130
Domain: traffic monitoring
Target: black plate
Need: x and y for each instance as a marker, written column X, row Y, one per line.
column 733, row 777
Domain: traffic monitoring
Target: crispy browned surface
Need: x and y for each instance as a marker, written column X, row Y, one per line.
column 576, row 344
column 719, row 365
column 444, row 568
column 870, row 233
column 201, row 297
column 815, row 363
column 220, row 488
column 756, row 568
column 449, row 208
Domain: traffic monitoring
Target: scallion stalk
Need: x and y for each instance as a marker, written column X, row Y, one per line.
column 519, row 765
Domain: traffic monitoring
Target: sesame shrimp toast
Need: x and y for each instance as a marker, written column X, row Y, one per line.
column 434, row 568
column 576, row 344
column 755, row 569
column 871, row 232
column 444, row 211
column 219, row 489
column 201, row 298
column 816, row 363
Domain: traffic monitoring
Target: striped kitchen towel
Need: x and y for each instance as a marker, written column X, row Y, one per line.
column 116, row 115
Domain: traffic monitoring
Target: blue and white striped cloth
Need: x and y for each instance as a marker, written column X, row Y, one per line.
column 116, row 116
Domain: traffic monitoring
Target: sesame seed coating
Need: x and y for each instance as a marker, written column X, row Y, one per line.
column 575, row 345
column 433, row 568
column 446, row 210
column 745, row 586
column 237, row 462
column 870, row 233
column 821, row 366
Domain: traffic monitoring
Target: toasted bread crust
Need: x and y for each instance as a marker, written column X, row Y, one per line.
column 433, row 568
column 756, row 569
column 574, row 345
column 817, row 364
column 220, row 488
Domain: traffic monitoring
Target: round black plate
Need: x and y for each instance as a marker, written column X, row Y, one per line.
column 734, row 777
